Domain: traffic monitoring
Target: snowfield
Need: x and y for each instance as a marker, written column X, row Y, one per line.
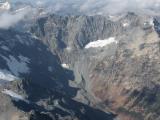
column 17, row 66
column 101, row 43
column 7, row 76
column 14, row 95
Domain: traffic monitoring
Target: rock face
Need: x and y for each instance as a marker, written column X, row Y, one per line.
column 34, row 85
column 122, row 76
column 74, row 31
column 81, row 68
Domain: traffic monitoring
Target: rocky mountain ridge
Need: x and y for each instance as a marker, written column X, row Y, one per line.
column 81, row 68
column 34, row 85
column 117, row 75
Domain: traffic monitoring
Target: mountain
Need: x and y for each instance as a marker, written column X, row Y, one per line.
column 79, row 67
column 115, row 60
column 34, row 85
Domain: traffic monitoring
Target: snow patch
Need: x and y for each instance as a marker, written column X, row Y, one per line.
column 125, row 24
column 101, row 43
column 35, row 37
column 112, row 18
column 65, row 66
column 7, row 76
column 50, row 69
column 5, row 48
column 69, row 49
column 151, row 22
column 14, row 95
column 56, row 103
column 43, row 13
column 17, row 67
column 22, row 9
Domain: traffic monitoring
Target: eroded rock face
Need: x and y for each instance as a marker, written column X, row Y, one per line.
column 73, row 31
column 122, row 76
column 34, row 85
column 133, row 67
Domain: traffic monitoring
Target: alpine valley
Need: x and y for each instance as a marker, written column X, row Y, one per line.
column 61, row 66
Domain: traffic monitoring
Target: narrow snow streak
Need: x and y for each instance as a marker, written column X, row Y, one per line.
column 14, row 95
column 100, row 43
column 7, row 76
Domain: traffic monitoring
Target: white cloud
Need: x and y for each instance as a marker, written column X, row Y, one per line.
column 118, row 6
column 89, row 7
column 9, row 19
column 106, row 6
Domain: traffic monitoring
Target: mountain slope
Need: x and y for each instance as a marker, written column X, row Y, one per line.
column 123, row 75
column 34, row 85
